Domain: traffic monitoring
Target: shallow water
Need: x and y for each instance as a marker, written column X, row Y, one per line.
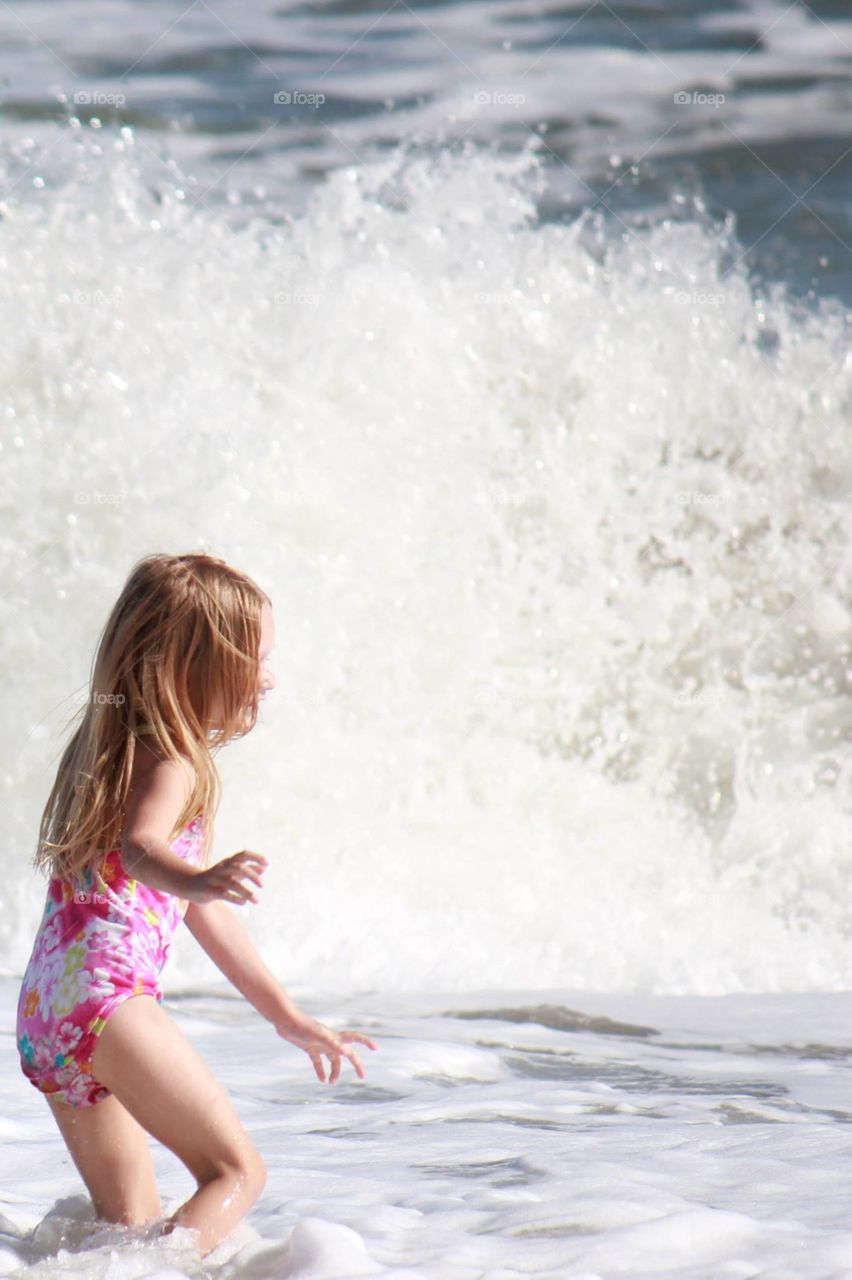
column 501, row 1135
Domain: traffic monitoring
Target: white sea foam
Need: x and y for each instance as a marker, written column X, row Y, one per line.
column 498, row 1134
column 552, row 517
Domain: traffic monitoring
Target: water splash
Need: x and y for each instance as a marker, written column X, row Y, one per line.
column 553, row 519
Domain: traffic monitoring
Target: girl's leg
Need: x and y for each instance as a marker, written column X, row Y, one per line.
column 113, row 1157
column 157, row 1075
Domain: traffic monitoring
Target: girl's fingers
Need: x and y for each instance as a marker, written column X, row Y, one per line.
column 247, row 869
column 236, row 893
column 335, row 1053
column 333, row 1045
column 235, row 886
column 246, row 873
column 228, row 884
column 356, row 1035
column 238, row 887
column 356, row 1062
column 256, row 858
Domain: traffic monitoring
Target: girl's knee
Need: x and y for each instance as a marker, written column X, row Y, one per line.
column 252, row 1169
column 245, row 1168
column 258, row 1175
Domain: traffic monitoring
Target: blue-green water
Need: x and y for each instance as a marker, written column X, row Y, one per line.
column 635, row 107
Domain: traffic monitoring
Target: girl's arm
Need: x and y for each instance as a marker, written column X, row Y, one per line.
column 159, row 791
column 215, row 926
column 220, row 933
column 153, row 805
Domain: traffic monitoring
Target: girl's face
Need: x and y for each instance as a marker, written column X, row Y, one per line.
column 265, row 679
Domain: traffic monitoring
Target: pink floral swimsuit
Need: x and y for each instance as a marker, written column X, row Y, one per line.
column 95, row 948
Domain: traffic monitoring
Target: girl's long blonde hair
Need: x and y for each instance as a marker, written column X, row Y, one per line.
column 183, row 635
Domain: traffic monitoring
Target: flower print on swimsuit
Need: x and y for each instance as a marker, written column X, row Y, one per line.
column 27, row 1049
column 51, row 935
column 43, row 1053
column 74, row 957
column 98, row 938
column 144, row 950
column 50, row 969
column 101, row 984
column 68, row 1037
column 71, row 989
column 73, row 983
column 79, row 1087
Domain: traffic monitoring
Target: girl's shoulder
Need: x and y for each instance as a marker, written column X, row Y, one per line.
column 160, row 787
column 151, row 755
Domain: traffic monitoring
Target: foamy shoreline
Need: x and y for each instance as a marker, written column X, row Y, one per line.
column 664, row 1136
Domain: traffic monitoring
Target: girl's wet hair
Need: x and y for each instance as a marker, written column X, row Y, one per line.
column 181, row 640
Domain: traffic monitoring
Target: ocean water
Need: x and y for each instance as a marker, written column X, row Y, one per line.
column 498, row 1134
column 522, row 385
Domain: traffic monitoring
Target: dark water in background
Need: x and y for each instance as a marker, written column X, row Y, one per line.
column 761, row 128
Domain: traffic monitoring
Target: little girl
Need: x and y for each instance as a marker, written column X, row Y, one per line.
column 125, row 837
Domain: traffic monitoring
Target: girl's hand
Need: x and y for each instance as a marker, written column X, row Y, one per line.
column 225, row 879
column 317, row 1039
